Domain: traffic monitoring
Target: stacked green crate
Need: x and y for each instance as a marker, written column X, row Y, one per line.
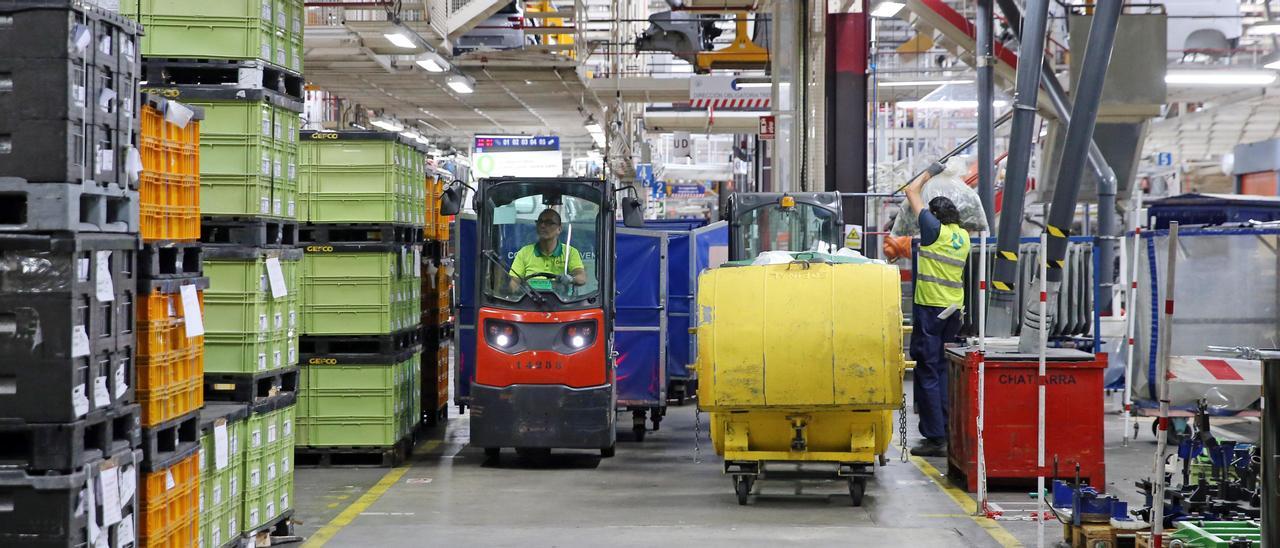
column 247, row 329
column 355, row 405
column 362, row 177
column 267, row 30
column 268, row 465
column 356, row 292
column 220, row 496
column 248, row 151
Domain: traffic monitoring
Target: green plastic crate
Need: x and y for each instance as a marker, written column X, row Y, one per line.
column 359, row 180
column 237, row 353
column 349, row 293
column 352, row 403
column 350, row 377
column 237, row 277
column 246, row 148
column 225, row 29
column 351, row 431
column 238, row 316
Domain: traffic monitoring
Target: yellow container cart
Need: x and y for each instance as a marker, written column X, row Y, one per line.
column 800, row 366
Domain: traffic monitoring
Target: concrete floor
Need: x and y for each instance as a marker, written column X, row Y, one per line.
column 668, row 488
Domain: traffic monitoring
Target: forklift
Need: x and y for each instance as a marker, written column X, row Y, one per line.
column 769, row 221
column 544, row 375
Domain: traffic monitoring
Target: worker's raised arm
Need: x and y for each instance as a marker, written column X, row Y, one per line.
column 915, row 188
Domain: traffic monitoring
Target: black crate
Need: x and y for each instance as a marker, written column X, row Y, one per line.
column 170, row 260
column 50, row 510
column 66, row 207
column 58, row 89
column 170, row 441
column 68, row 29
column 68, row 151
column 65, row 447
column 250, row 387
column 248, row 232
column 66, row 390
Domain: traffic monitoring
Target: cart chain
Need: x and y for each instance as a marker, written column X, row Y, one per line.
column 697, row 428
column 902, row 428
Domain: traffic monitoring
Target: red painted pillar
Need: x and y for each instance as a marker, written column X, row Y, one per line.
column 848, row 53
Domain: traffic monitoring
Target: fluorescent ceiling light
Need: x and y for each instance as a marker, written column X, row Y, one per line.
column 887, row 9
column 431, row 65
column 592, row 126
column 1264, row 28
column 1220, row 77
column 388, row 124
column 914, row 83
column 948, row 105
column 400, row 39
column 1274, row 65
column 461, row 84
column 748, row 85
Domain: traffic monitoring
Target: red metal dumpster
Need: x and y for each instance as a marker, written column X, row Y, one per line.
column 1073, row 417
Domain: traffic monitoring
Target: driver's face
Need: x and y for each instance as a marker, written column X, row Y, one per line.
column 548, row 228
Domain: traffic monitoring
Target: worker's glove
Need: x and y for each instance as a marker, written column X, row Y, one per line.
column 935, row 168
column 565, row 279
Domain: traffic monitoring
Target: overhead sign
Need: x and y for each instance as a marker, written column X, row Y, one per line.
column 681, row 146
column 516, row 155
column 766, row 127
column 727, row 92
column 1164, row 159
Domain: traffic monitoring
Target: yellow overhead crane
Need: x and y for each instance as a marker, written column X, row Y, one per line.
column 742, row 54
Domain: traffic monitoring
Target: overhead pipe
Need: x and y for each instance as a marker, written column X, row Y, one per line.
column 1108, row 227
column 1030, row 57
column 1084, row 114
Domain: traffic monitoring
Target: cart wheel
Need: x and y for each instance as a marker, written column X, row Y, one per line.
column 742, row 486
column 638, row 432
column 492, row 452
column 857, row 488
column 608, row 452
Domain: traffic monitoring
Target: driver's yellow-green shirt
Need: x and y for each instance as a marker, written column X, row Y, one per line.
column 530, row 260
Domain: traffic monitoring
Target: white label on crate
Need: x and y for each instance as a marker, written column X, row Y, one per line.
column 215, row 536
column 275, row 209
column 262, row 322
column 178, row 113
column 82, row 269
column 279, row 131
column 257, row 438
column 253, row 515
column 235, row 445
column 255, row 478
column 77, row 91
column 127, row 48
column 191, row 311
column 220, row 456
column 279, row 320
column 262, row 362
column 292, row 209
column 293, row 319
column 282, row 20
column 284, row 501
column 202, row 467
column 234, row 485
column 271, row 508
column 91, row 506
column 217, row 494
column 127, row 103
column 281, row 58
column 284, row 464
column 109, row 479
column 262, row 282
column 278, row 362
column 271, row 471
column 266, row 166
column 106, row 160
column 293, row 171
column 79, row 342
column 128, row 482
column 104, row 289
column 271, row 433
column 266, row 127
column 169, row 483
column 266, row 10
column 104, row 44
column 417, row 262
column 133, row 164
column 265, row 206
column 106, row 98
column 293, row 355
column 121, row 385
column 80, row 36
column 124, row 533
column 101, row 394
column 276, row 277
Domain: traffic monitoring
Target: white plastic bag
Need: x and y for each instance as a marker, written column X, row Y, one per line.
column 949, row 183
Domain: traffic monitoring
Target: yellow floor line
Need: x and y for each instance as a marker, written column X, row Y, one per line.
column 326, row 533
column 966, row 503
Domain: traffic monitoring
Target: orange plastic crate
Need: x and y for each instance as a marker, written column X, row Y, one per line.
column 152, row 122
column 170, row 502
column 169, row 403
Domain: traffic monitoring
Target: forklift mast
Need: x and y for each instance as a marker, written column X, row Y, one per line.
column 770, row 221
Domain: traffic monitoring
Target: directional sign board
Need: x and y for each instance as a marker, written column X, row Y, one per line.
column 516, row 155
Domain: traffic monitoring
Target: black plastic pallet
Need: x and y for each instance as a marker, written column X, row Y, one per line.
column 215, row 411
column 50, row 509
column 170, row 441
column 437, row 417
column 248, row 231
column 273, row 403
column 354, row 457
column 221, row 72
column 249, row 387
column 170, row 260
column 354, row 346
column 280, row 527
column 170, row 286
column 66, row 447
column 358, row 233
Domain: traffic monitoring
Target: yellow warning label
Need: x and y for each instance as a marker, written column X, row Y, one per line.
column 1009, row 256
column 1055, row 232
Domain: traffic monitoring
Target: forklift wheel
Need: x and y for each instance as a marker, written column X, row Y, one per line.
column 638, row 433
column 492, row 452
column 857, row 488
column 607, row 452
column 742, row 486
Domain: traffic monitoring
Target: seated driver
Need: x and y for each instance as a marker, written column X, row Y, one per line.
column 548, row 255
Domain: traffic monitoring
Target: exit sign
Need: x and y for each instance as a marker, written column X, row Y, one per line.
column 766, row 127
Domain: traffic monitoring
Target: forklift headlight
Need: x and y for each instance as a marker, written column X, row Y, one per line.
column 580, row 335
column 501, row 334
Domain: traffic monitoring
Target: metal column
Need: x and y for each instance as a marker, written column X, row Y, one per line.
column 848, row 47
column 1270, row 449
column 986, row 132
column 1030, row 57
column 1084, row 112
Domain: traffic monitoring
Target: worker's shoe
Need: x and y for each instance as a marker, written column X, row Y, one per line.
column 930, row 448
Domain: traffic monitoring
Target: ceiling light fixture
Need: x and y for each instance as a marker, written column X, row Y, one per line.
column 1264, row 28
column 1221, row 77
column 431, row 62
column 400, row 40
column 388, row 124
column 748, row 85
column 887, row 9
column 948, row 105
column 592, row 126
column 461, row 83
column 914, row 83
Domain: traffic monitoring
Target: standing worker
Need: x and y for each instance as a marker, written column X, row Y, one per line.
column 935, row 316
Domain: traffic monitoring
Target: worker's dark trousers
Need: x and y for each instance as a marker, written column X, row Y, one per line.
column 928, row 333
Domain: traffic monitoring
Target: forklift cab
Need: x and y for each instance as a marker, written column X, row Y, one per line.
column 544, row 375
column 767, row 221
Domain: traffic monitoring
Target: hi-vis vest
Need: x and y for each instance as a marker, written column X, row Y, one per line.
column 940, row 268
